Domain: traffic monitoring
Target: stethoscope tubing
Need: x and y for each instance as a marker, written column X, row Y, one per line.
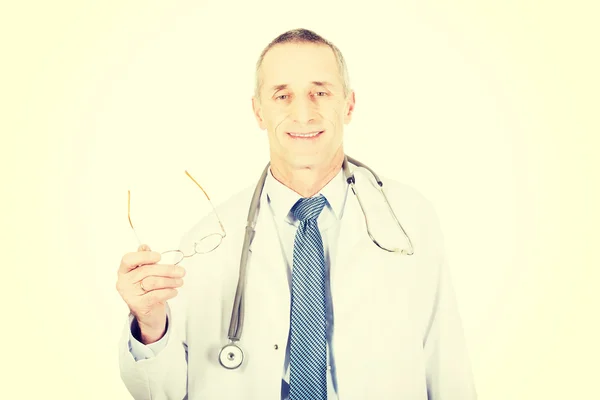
column 231, row 355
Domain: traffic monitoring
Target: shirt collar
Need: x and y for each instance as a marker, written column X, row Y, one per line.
column 282, row 198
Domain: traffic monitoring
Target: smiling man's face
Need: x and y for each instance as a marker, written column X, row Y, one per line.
column 302, row 105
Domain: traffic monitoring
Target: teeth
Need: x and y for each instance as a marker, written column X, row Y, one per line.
column 305, row 134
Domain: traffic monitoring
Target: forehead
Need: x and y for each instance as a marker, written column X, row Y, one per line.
column 299, row 64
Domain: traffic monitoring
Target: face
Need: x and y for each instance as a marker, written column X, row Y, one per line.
column 302, row 105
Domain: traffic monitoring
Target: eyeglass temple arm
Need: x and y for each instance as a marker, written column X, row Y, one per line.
column 208, row 198
column 129, row 217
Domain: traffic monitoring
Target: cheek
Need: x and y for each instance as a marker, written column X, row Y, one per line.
column 336, row 116
column 273, row 118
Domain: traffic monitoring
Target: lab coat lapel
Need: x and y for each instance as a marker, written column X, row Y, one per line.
column 268, row 280
column 352, row 240
column 266, row 310
column 352, row 231
column 266, row 252
column 351, row 274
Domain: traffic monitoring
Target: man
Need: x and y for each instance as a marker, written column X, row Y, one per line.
column 327, row 313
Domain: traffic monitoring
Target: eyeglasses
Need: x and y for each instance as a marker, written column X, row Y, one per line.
column 205, row 245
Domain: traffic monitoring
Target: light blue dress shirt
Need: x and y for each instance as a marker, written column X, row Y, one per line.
column 281, row 199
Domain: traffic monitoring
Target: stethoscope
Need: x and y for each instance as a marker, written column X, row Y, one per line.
column 231, row 355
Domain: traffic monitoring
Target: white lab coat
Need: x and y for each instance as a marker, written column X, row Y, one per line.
column 397, row 331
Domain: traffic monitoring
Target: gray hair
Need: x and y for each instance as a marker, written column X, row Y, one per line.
column 303, row 36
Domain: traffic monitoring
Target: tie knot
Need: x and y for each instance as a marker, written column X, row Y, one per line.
column 308, row 208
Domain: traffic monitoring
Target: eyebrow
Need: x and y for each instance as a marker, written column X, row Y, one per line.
column 277, row 88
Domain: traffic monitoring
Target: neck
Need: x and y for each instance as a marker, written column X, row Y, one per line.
column 307, row 180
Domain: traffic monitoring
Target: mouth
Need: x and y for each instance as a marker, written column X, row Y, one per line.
column 305, row 135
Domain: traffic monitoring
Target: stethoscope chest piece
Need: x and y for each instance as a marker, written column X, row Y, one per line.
column 231, row 356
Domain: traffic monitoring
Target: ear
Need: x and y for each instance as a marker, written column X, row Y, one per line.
column 257, row 109
column 350, row 102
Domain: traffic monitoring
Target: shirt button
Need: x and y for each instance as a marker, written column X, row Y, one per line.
column 329, row 368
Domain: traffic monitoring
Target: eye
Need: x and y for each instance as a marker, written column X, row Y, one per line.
column 281, row 97
column 321, row 94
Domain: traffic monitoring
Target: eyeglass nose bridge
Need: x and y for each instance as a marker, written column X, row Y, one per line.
column 205, row 245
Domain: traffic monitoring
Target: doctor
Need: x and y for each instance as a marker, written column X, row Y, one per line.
column 327, row 311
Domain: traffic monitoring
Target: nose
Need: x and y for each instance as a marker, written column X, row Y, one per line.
column 302, row 110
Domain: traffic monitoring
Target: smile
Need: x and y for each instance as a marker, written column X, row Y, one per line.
column 307, row 135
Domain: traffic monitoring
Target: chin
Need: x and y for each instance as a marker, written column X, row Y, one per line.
column 307, row 160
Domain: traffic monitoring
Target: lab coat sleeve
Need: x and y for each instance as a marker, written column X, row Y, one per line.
column 142, row 351
column 158, row 371
column 449, row 375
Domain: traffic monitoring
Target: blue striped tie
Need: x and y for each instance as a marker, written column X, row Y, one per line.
column 308, row 351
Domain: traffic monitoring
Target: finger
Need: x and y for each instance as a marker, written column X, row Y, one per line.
column 164, row 270
column 158, row 296
column 153, row 283
column 133, row 260
column 144, row 247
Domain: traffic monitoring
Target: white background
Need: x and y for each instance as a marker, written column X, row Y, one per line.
column 489, row 109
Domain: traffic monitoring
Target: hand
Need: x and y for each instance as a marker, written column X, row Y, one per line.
column 146, row 286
